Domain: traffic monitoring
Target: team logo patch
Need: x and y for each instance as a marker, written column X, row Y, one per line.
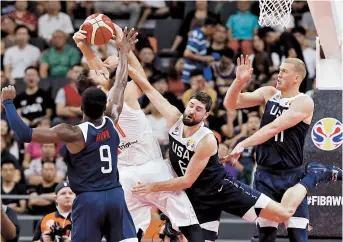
column 49, row 223
column 190, row 144
column 327, row 134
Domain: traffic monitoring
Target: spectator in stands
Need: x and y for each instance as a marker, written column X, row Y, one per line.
column 68, row 101
column 195, row 53
column 159, row 125
column 259, row 47
column 10, row 187
column 34, row 150
column 193, row 20
column 35, row 174
column 261, row 67
column 157, row 9
column 231, row 127
column 34, row 103
column 120, row 7
column 53, row 20
column 159, row 82
column 3, row 78
column 284, row 44
column 57, row 60
column 20, row 56
column 198, row 84
column 22, row 16
column 242, row 27
column 46, row 187
column 175, row 83
column 10, row 227
column 219, row 41
column 147, row 56
column 247, row 158
column 80, row 9
column 8, row 26
column 224, row 72
column 308, row 53
column 64, row 198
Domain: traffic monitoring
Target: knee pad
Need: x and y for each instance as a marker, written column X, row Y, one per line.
column 296, row 223
column 262, row 222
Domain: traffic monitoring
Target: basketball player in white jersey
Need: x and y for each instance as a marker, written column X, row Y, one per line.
column 140, row 158
column 193, row 153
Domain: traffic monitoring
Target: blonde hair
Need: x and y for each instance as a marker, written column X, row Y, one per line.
column 299, row 66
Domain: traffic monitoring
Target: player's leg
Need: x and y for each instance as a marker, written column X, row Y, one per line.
column 88, row 217
column 297, row 225
column 119, row 224
column 140, row 211
column 177, row 207
column 264, row 182
column 293, row 197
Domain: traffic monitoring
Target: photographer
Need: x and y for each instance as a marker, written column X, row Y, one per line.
column 56, row 226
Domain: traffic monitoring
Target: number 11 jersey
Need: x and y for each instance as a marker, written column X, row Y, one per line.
column 95, row 167
column 285, row 149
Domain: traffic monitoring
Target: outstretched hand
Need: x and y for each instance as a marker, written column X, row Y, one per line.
column 128, row 39
column 244, row 69
column 80, row 38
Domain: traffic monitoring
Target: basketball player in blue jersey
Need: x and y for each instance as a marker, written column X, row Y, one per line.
column 99, row 208
column 193, row 154
column 279, row 143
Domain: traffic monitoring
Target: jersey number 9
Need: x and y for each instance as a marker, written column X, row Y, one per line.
column 105, row 150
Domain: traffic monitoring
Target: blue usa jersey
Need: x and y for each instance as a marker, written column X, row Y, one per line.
column 285, row 150
column 95, row 167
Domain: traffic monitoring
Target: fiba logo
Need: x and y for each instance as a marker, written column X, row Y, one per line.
column 327, row 134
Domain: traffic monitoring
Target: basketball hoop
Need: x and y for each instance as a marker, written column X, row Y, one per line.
column 275, row 12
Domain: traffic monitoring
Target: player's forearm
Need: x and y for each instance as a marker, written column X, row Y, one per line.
column 8, row 230
column 22, row 132
column 94, row 62
column 116, row 95
column 232, row 95
column 261, row 136
column 175, row 184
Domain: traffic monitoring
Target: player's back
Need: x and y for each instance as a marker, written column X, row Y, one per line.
column 137, row 144
column 95, row 167
column 285, row 150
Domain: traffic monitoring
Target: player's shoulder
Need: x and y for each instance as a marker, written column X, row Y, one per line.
column 304, row 100
column 208, row 144
column 267, row 91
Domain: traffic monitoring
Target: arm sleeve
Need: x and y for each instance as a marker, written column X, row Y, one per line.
column 38, row 233
column 14, row 219
column 60, row 97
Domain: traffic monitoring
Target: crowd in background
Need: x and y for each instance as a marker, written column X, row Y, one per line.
column 38, row 53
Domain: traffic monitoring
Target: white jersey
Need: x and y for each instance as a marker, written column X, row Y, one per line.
column 137, row 144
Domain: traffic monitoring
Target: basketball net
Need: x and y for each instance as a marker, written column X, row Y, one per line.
column 275, row 12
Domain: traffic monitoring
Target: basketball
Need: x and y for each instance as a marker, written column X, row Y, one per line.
column 100, row 29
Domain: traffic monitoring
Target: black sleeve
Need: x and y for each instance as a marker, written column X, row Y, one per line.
column 186, row 23
column 14, row 219
column 47, row 100
column 38, row 233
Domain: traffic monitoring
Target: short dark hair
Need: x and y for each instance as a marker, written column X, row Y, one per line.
column 204, row 98
column 299, row 30
column 75, row 65
column 83, row 82
column 196, row 72
column 7, row 161
column 31, row 67
column 211, row 21
column 227, row 52
column 158, row 77
column 21, row 27
column 262, row 32
column 94, row 102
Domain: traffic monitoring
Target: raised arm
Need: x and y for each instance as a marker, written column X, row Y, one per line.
column 234, row 99
column 115, row 99
column 170, row 112
column 63, row 133
column 206, row 148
